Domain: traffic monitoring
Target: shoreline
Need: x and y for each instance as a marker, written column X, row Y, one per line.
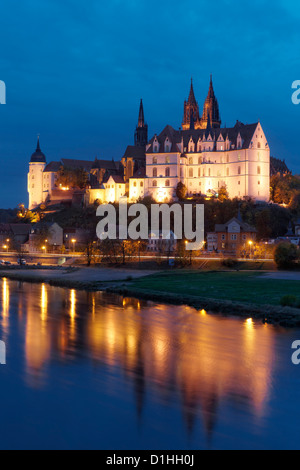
column 267, row 313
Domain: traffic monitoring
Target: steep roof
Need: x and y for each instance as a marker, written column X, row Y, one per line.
column 176, row 136
column 243, row 225
column 38, row 156
column 136, row 152
column 52, row 167
column 76, row 164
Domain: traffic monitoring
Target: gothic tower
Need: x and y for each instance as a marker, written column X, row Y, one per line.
column 35, row 177
column 141, row 132
column 191, row 111
column 211, row 108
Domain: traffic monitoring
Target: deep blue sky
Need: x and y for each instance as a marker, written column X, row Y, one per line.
column 75, row 71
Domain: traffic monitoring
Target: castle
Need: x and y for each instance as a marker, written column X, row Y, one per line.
column 202, row 155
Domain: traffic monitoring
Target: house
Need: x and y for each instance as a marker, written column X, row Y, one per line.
column 232, row 237
column 47, row 237
column 165, row 244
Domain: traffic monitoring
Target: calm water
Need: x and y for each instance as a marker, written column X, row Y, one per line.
column 88, row 370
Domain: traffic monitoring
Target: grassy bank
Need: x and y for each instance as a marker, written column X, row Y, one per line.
column 248, row 287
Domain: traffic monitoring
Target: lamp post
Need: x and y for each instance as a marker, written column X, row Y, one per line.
column 73, row 242
column 44, row 249
column 5, row 248
column 186, row 242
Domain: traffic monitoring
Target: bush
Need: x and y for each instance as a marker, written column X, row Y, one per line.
column 289, row 301
column 229, row 262
column 286, row 255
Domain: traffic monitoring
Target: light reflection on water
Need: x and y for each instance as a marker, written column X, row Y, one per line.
column 89, row 370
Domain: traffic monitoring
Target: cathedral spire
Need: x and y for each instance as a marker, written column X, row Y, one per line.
column 141, row 132
column 211, row 108
column 191, row 110
column 141, row 121
column 192, row 99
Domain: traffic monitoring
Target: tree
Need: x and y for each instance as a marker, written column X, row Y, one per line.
column 181, row 191
column 72, row 178
column 286, row 255
column 223, row 194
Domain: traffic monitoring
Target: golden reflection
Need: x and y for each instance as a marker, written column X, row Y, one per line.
column 203, row 312
column 73, row 314
column 44, row 303
column 5, row 304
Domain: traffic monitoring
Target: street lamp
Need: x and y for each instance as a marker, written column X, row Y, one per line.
column 250, row 244
column 44, row 249
column 5, row 248
column 73, row 241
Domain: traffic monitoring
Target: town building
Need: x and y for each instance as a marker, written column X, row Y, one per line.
column 232, row 237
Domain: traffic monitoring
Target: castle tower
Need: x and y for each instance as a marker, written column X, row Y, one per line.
column 211, row 108
column 35, row 177
column 141, row 132
column 191, row 111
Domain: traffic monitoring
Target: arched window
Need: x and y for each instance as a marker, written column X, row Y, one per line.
column 258, row 170
column 167, row 183
column 154, row 183
column 154, row 172
column 191, row 173
column 154, row 160
column 258, row 145
column 199, row 160
column 134, row 184
column 190, row 161
column 141, row 184
column 167, row 171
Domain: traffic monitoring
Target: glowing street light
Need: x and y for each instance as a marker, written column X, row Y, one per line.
column 250, row 244
column 5, row 248
column 74, row 242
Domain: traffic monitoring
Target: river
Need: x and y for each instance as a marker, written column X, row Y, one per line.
column 88, row 370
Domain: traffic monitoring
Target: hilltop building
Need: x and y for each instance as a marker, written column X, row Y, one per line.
column 202, row 155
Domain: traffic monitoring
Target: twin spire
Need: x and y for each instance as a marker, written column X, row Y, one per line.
column 210, row 116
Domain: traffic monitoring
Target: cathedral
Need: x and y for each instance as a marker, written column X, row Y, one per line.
column 200, row 154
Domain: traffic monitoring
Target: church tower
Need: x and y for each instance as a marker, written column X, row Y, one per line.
column 141, row 132
column 210, row 109
column 191, row 111
column 35, row 177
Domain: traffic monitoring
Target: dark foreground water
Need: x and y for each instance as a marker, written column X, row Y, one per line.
column 88, row 370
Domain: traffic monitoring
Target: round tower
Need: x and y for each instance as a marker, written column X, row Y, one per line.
column 35, row 177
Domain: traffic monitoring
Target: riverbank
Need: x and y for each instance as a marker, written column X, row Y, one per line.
column 245, row 294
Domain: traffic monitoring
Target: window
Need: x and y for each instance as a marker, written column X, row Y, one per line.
column 190, row 161
column 239, row 170
column 209, row 172
column 33, row 177
column 154, row 160
column 154, row 183
column 223, row 237
column 154, row 173
column 199, row 160
column 244, row 237
column 258, row 170
column 167, row 171
column 33, row 186
column 239, row 182
column 239, row 157
column 134, row 184
column 167, row 183
column 258, row 182
column 191, row 173
column 155, row 148
column 141, row 184
column 258, row 145
column 199, row 172
column 234, row 236
column 167, row 159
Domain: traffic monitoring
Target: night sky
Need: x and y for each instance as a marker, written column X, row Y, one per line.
column 75, row 72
